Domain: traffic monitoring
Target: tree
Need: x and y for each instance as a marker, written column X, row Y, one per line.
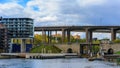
column 37, row 39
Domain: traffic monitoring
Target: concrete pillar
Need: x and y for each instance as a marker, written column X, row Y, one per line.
column 31, row 41
column 17, row 41
column 23, row 46
column 50, row 37
column 43, row 36
column 86, row 30
column 10, row 47
column 90, row 38
column 68, row 36
column 113, row 34
column 56, row 36
column 88, row 35
column 63, row 35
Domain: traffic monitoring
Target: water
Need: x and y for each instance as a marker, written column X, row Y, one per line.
column 55, row 63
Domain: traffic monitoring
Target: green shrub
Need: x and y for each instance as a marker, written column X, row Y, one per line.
column 117, row 41
column 45, row 49
column 117, row 52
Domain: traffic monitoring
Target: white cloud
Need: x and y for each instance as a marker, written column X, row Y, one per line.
column 101, row 35
column 58, row 11
column 48, row 11
column 85, row 3
column 11, row 9
column 48, row 19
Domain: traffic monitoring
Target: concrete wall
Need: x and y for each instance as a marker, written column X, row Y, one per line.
column 64, row 47
column 115, row 47
column 76, row 47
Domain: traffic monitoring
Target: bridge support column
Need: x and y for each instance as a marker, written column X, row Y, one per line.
column 88, row 35
column 68, row 36
column 63, row 35
column 113, row 34
column 23, row 46
column 56, row 37
column 50, row 37
column 43, row 36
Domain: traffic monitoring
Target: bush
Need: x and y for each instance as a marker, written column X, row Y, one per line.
column 45, row 49
column 117, row 52
column 117, row 41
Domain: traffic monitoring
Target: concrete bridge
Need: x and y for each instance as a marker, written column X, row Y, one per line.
column 87, row 29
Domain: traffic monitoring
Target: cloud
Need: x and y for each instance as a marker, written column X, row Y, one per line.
column 102, row 35
column 74, row 12
column 10, row 9
column 84, row 3
column 48, row 19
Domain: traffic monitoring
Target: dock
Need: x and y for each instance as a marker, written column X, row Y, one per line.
column 113, row 58
column 40, row 55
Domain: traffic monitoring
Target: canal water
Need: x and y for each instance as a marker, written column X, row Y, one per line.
column 55, row 63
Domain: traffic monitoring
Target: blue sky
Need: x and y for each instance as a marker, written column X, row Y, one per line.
column 64, row 12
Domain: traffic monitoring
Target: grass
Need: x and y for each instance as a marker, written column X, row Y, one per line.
column 45, row 49
column 117, row 52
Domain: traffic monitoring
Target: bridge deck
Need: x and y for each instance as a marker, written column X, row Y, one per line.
column 78, row 28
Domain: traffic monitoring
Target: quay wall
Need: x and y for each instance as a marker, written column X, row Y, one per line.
column 64, row 47
column 115, row 47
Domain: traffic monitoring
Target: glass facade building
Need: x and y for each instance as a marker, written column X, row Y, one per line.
column 19, row 27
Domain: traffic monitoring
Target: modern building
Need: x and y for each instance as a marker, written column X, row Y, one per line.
column 19, row 28
column 4, row 39
column 76, row 37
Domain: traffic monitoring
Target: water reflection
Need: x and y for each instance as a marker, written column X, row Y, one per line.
column 54, row 63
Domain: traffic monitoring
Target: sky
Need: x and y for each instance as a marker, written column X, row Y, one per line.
column 64, row 12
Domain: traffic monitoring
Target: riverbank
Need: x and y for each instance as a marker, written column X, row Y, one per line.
column 56, row 55
column 39, row 55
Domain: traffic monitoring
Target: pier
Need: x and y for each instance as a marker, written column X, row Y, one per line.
column 40, row 55
column 113, row 58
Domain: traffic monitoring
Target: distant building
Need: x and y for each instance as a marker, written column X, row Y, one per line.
column 4, row 39
column 76, row 37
